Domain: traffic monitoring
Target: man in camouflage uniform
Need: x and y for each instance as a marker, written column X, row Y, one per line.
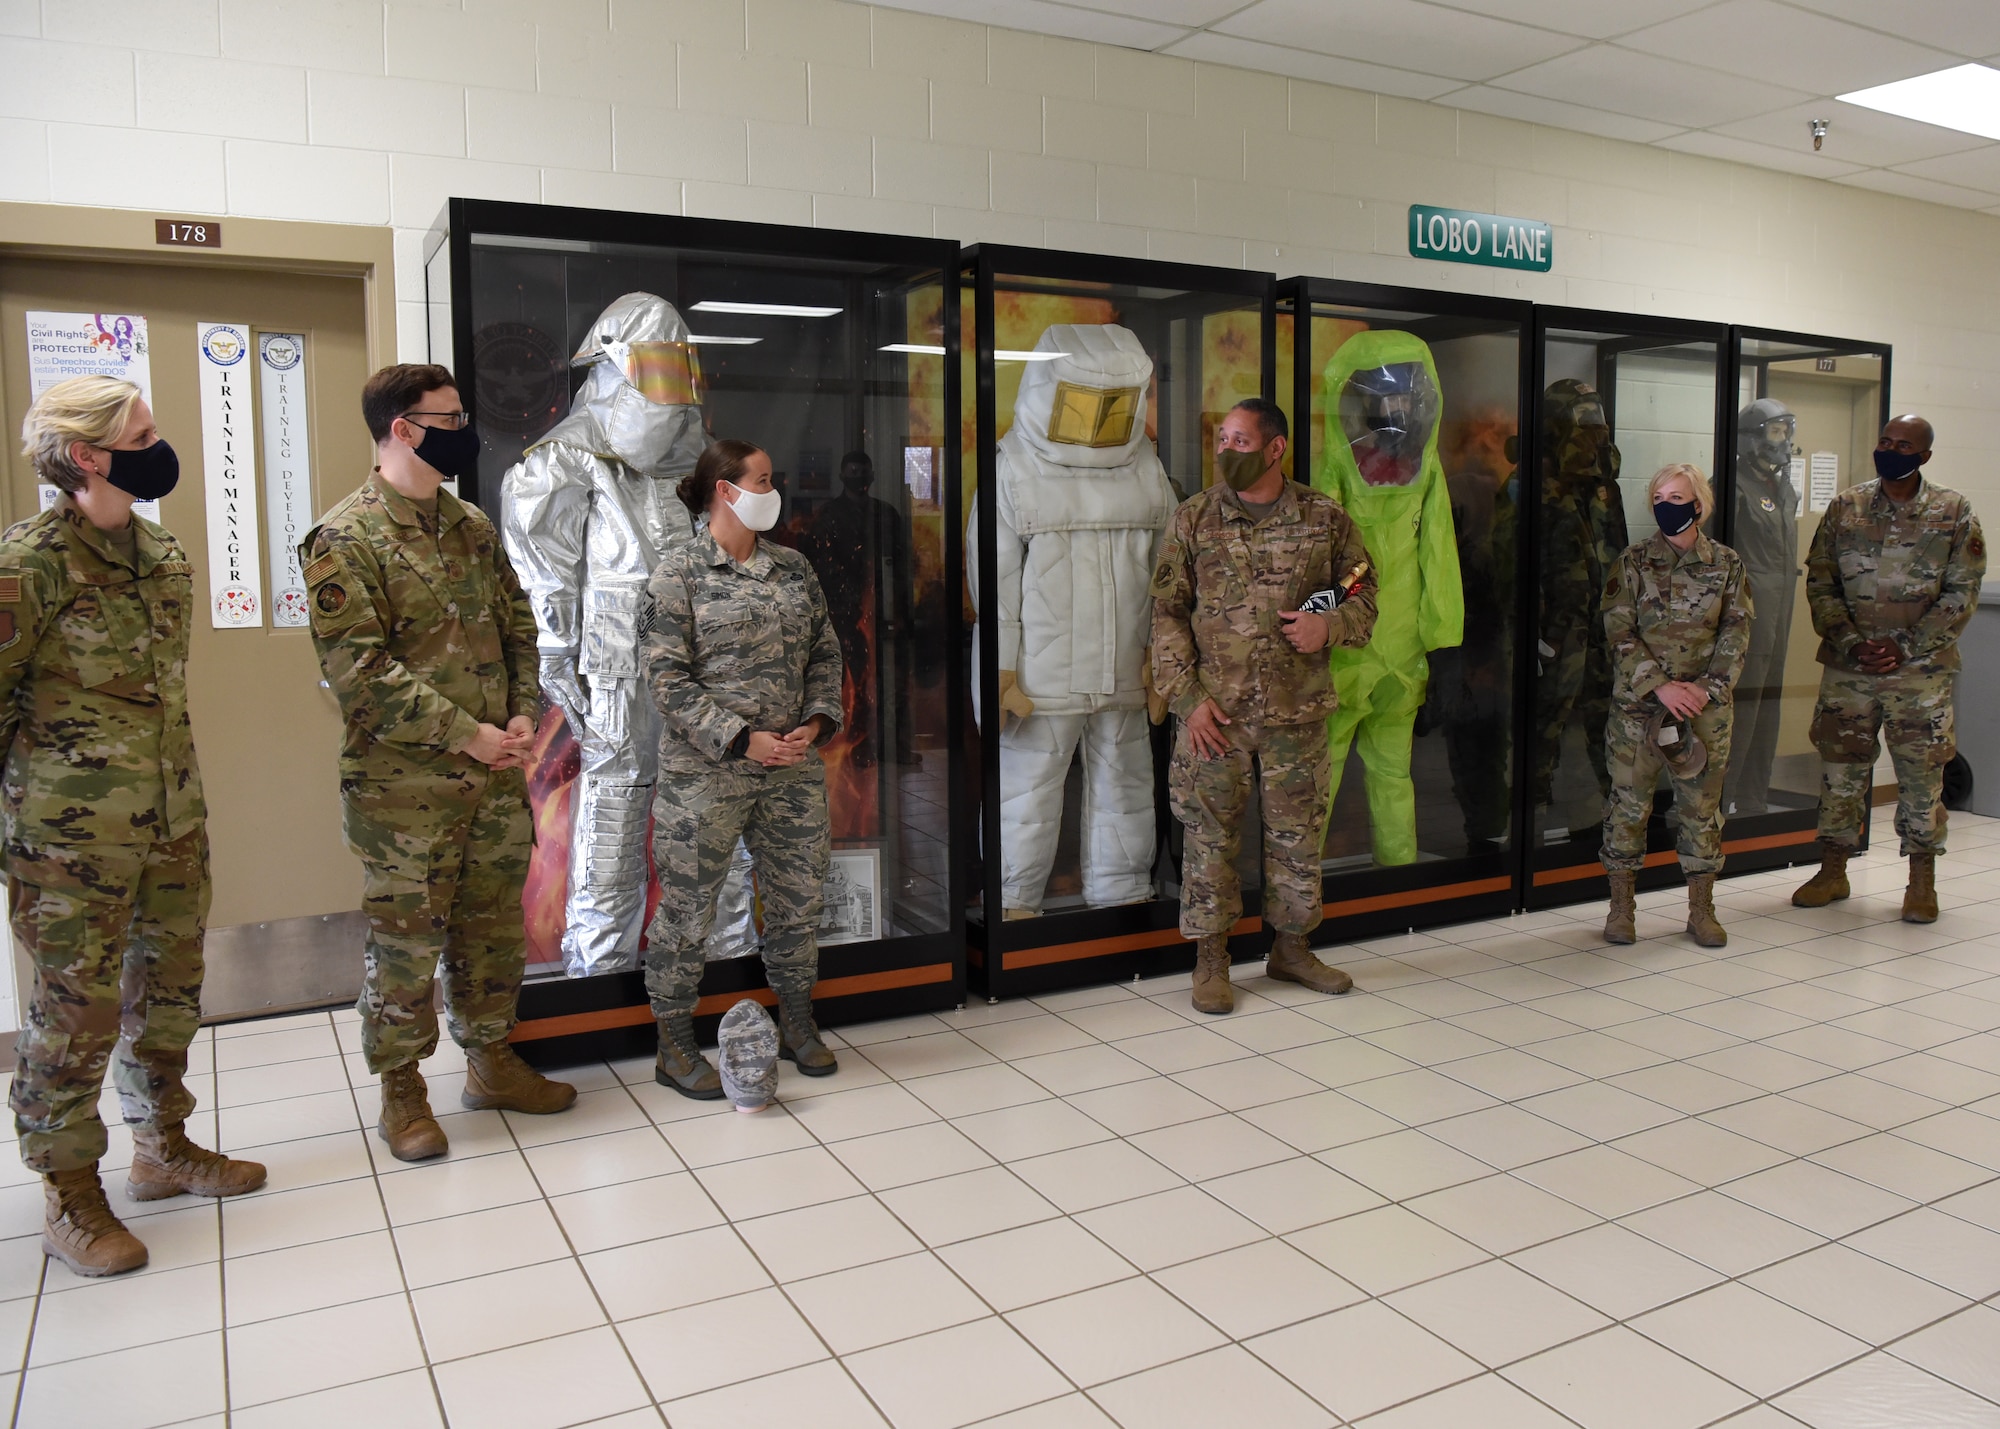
column 429, row 646
column 106, row 829
column 1892, row 580
column 1246, row 670
column 1677, row 616
column 1582, row 535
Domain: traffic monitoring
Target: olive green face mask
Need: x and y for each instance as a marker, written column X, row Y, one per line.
column 1242, row 470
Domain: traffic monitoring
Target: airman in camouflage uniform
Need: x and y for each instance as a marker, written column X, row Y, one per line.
column 106, row 832
column 1583, row 533
column 1671, row 615
column 1892, row 580
column 1228, row 581
column 733, row 647
column 427, row 641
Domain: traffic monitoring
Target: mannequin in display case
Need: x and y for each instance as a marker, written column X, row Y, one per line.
column 1382, row 466
column 1080, row 505
column 1766, row 535
column 587, row 515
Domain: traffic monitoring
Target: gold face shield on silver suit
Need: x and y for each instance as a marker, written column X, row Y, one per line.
column 1093, row 416
column 665, row 373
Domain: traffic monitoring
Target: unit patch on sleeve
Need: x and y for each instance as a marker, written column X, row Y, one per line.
column 10, row 633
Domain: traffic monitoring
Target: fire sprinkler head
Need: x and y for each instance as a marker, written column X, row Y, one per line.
column 1818, row 127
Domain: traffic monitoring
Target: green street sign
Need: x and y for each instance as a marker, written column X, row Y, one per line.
column 1488, row 239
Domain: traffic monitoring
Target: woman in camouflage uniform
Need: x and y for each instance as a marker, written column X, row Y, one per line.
column 1677, row 628
column 745, row 668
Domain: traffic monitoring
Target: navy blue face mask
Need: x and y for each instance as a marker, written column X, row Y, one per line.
column 1892, row 465
column 146, row 474
column 1675, row 517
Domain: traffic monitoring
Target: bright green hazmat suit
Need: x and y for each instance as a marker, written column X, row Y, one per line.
column 1381, row 464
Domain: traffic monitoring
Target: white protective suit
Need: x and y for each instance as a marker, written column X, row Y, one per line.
column 1081, row 504
column 587, row 514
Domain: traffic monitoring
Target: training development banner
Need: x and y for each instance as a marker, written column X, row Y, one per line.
column 281, row 358
column 228, row 446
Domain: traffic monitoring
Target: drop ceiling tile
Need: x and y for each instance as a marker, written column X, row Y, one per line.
column 1591, row 19
column 1300, row 64
column 1782, row 45
column 1039, row 17
column 1534, row 109
column 1648, row 87
column 1889, row 181
column 1975, row 169
column 1965, row 27
column 1167, row 12
column 1711, row 145
column 1866, row 137
column 1405, row 34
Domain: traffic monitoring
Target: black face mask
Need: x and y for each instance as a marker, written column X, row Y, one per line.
column 1889, row 465
column 146, row 474
column 1675, row 517
column 455, row 454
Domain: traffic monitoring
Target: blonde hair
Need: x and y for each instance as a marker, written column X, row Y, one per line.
column 1704, row 494
column 91, row 410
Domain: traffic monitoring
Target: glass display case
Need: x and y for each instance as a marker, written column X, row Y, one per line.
column 1406, row 407
column 829, row 350
column 1093, row 393
column 1808, row 412
column 1618, row 398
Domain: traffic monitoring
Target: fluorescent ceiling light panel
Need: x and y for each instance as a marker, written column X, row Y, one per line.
column 703, row 340
column 921, row 349
column 999, row 355
column 1965, row 98
column 765, row 310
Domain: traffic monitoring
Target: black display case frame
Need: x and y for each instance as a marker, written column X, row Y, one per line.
column 1368, row 902
column 568, row 1020
column 1097, row 945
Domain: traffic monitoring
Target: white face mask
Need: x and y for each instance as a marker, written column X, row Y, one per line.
column 757, row 510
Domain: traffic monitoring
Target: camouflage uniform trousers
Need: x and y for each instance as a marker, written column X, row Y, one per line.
column 1293, row 773
column 1635, row 764
column 781, row 815
column 111, row 973
column 1910, row 709
column 441, row 884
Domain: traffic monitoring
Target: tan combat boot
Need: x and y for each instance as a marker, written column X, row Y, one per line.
column 1920, row 898
column 1211, row 989
column 1829, row 885
column 1292, row 961
column 79, row 1230
column 798, row 1036
column 1621, row 923
column 165, row 1163
column 1702, row 926
column 680, row 1064
column 407, row 1124
column 496, row 1079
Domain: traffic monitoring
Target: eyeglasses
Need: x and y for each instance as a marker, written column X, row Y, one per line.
column 452, row 421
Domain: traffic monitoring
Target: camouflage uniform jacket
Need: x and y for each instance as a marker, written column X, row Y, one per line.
column 1223, row 577
column 1677, row 615
column 1910, row 573
column 731, row 646
column 422, row 629
column 93, row 690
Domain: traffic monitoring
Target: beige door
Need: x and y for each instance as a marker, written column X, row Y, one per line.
column 265, row 730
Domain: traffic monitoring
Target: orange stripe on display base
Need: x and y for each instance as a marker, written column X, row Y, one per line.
column 639, row 1014
column 1410, row 897
column 1571, row 874
column 1106, row 947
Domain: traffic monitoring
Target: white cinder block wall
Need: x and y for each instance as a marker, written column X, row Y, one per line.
column 842, row 115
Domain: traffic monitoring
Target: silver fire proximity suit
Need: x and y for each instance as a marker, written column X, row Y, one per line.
column 586, row 515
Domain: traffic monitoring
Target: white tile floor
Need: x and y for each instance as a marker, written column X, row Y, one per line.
column 1517, row 1179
